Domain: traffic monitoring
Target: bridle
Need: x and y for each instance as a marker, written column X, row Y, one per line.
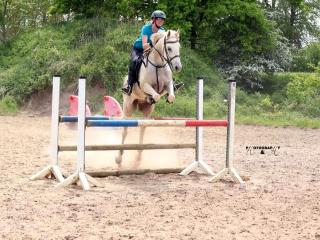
column 166, row 59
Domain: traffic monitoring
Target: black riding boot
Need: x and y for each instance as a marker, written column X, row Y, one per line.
column 131, row 79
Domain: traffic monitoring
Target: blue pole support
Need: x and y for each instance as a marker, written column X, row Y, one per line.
column 112, row 123
column 75, row 118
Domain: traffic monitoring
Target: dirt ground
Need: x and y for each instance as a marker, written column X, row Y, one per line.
column 280, row 199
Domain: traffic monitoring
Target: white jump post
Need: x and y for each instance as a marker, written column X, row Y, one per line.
column 53, row 168
column 198, row 162
column 229, row 169
column 80, row 174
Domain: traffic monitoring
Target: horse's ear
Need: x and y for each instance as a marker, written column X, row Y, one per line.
column 155, row 37
column 178, row 34
column 169, row 33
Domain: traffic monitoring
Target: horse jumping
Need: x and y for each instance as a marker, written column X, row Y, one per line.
column 155, row 80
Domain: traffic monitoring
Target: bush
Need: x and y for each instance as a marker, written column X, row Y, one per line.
column 307, row 59
column 304, row 94
column 303, row 88
column 8, row 105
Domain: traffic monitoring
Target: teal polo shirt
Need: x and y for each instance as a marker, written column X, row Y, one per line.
column 146, row 30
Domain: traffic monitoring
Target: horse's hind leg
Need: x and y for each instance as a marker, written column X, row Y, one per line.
column 120, row 154
column 127, row 111
column 141, row 136
column 147, row 109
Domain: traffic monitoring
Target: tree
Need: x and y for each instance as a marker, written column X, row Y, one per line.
column 10, row 19
column 17, row 15
column 98, row 8
column 239, row 27
column 188, row 16
column 297, row 19
column 236, row 34
column 3, row 20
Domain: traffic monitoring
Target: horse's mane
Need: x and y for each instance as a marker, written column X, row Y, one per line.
column 156, row 37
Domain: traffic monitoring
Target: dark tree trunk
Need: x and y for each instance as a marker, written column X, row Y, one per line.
column 293, row 34
column 193, row 37
column 4, row 14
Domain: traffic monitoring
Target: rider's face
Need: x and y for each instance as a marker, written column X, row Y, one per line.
column 159, row 21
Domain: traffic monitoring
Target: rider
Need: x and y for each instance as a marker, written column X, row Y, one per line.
column 143, row 43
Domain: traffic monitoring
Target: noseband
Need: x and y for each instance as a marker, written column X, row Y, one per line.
column 168, row 59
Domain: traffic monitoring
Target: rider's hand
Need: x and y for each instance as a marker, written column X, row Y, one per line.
column 146, row 47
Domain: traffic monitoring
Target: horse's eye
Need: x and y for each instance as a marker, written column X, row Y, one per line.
column 169, row 49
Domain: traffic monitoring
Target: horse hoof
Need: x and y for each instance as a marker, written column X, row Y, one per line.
column 137, row 161
column 118, row 160
column 171, row 98
column 156, row 97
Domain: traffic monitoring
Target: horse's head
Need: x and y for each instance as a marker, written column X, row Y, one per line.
column 168, row 45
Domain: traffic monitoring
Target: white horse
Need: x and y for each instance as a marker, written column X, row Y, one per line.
column 155, row 80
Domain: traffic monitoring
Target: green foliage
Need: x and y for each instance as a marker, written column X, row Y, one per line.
column 246, row 43
column 291, row 92
column 304, row 94
column 84, row 8
column 275, row 85
column 296, row 19
column 307, row 59
column 8, row 105
column 127, row 9
column 99, row 49
column 279, row 119
column 17, row 16
column 240, row 25
column 70, row 50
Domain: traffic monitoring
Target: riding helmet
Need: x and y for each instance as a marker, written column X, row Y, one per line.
column 158, row 14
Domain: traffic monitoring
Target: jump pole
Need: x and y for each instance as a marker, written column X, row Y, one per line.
column 80, row 174
column 147, row 146
column 53, row 168
column 198, row 162
column 229, row 169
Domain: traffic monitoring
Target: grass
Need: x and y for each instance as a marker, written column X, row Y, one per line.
column 283, row 120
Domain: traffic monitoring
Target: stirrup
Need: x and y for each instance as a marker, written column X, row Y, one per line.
column 178, row 85
column 126, row 90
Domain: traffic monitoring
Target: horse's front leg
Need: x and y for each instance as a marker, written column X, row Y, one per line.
column 170, row 91
column 148, row 89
